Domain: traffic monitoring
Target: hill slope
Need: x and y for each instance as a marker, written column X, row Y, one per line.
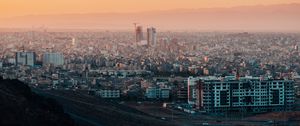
column 19, row 106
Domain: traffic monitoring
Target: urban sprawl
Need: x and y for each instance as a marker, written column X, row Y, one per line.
column 210, row 72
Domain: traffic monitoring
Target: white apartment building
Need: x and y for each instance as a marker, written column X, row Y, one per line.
column 248, row 94
column 25, row 58
column 55, row 59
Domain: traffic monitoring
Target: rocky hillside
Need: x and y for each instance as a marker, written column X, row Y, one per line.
column 21, row 107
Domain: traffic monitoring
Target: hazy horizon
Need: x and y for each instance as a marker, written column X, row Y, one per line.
column 13, row 8
column 194, row 15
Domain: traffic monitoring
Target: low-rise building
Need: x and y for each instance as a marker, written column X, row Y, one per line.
column 182, row 94
column 108, row 93
column 157, row 93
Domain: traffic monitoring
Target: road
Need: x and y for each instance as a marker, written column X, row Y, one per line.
column 91, row 111
column 78, row 117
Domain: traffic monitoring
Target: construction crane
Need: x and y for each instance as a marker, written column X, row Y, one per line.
column 135, row 24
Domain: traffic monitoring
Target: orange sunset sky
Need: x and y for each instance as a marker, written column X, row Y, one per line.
column 12, row 8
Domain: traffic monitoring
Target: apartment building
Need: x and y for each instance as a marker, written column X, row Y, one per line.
column 246, row 94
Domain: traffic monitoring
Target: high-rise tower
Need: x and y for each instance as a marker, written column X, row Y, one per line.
column 151, row 36
column 139, row 34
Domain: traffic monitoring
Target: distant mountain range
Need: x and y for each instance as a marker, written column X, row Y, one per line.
column 283, row 17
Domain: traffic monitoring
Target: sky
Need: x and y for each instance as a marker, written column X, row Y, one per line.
column 12, row 8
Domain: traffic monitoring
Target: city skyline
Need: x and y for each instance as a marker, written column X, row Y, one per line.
column 150, row 62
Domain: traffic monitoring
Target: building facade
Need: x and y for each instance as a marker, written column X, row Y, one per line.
column 182, row 94
column 151, row 37
column 157, row 93
column 248, row 94
column 25, row 58
column 108, row 93
column 139, row 34
column 192, row 90
column 55, row 59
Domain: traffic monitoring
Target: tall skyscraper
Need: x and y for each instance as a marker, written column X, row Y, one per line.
column 55, row 59
column 25, row 58
column 151, row 37
column 139, row 34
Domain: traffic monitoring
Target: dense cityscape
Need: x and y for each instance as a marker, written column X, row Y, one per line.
column 149, row 63
column 183, row 71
